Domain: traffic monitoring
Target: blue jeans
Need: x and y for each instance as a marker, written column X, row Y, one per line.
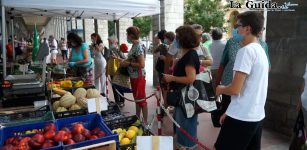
column 188, row 124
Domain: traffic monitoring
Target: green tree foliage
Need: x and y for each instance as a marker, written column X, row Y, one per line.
column 111, row 28
column 208, row 13
column 144, row 23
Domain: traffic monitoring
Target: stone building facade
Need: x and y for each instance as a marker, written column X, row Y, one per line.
column 286, row 38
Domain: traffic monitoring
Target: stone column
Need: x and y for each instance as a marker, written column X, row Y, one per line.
column 103, row 31
column 286, row 39
column 88, row 29
column 123, row 24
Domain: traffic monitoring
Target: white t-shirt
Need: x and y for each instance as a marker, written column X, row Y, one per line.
column 217, row 47
column 248, row 105
column 304, row 94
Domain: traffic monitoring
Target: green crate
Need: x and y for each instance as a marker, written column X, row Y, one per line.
column 27, row 117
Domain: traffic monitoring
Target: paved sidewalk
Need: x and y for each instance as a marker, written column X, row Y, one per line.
column 207, row 134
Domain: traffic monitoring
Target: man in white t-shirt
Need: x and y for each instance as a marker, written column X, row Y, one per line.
column 242, row 123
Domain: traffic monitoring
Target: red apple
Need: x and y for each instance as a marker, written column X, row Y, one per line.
column 49, row 126
column 23, row 146
column 9, row 140
column 101, row 134
column 78, row 128
column 95, row 131
column 93, row 137
column 78, row 138
column 86, row 133
column 35, row 144
column 38, row 138
column 16, row 141
column 7, row 147
column 69, row 141
column 49, row 134
column 48, row 143
column 61, row 136
column 65, row 129
column 25, row 140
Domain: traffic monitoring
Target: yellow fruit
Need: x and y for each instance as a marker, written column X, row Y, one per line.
column 79, row 84
column 119, row 130
column 66, row 84
column 125, row 141
column 130, row 134
column 134, row 128
column 28, row 132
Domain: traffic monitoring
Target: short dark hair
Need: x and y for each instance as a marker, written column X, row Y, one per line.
column 170, row 36
column 134, row 32
column 216, row 33
column 74, row 37
column 97, row 36
column 161, row 34
column 187, row 37
column 253, row 19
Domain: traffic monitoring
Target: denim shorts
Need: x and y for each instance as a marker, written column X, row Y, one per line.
column 188, row 124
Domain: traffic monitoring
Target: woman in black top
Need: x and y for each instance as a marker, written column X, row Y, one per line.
column 184, row 74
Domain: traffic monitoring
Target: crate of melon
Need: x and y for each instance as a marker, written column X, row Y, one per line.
column 85, row 130
column 30, row 137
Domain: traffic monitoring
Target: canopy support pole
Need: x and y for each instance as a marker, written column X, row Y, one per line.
column 3, row 40
column 13, row 38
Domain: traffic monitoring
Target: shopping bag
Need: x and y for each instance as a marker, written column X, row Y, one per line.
column 199, row 97
column 121, row 80
column 112, row 66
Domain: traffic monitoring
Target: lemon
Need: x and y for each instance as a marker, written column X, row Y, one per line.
column 125, row 141
column 134, row 128
column 130, row 134
column 119, row 130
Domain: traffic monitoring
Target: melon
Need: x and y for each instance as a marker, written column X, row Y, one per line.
column 67, row 100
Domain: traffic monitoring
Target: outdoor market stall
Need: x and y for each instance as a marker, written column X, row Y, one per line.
column 61, row 117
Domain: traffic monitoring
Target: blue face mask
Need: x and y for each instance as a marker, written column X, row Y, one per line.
column 129, row 41
column 237, row 37
column 165, row 41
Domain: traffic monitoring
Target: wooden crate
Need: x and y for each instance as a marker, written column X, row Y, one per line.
column 109, row 145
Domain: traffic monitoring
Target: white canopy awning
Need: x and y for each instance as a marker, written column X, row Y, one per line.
column 100, row 9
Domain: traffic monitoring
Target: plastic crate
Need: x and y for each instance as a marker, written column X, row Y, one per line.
column 126, row 122
column 40, row 115
column 112, row 113
column 69, row 113
column 19, row 131
column 90, row 122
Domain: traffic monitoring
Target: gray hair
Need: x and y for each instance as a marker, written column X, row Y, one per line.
column 197, row 26
column 113, row 38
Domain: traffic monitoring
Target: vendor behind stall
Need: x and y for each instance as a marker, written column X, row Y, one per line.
column 80, row 60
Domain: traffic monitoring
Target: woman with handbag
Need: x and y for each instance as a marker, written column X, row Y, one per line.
column 136, row 63
column 112, row 67
column 184, row 74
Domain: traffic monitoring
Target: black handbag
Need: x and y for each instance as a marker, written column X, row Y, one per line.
column 205, row 100
column 299, row 135
column 173, row 97
column 159, row 66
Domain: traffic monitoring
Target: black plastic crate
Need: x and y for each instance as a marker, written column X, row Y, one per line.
column 69, row 113
column 112, row 113
column 39, row 115
column 125, row 123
